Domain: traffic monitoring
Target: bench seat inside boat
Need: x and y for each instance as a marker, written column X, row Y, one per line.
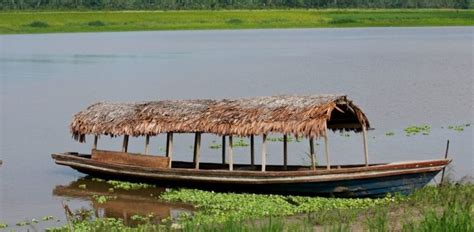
column 130, row 158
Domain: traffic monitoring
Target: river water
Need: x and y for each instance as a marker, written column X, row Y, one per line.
column 399, row 76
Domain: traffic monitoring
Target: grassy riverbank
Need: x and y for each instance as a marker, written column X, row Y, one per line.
column 98, row 21
column 446, row 208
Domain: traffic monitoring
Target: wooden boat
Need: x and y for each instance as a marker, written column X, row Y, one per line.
column 301, row 116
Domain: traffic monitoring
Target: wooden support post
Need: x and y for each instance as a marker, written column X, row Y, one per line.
column 445, row 157
column 96, row 139
column 223, row 150
column 312, row 154
column 197, row 149
column 264, row 152
column 147, row 143
column 125, row 143
column 366, row 149
column 252, row 151
column 285, row 151
column 326, row 151
column 169, row 147
column 231, row 154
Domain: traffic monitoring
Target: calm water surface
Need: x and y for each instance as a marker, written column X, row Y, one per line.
column 399, row 76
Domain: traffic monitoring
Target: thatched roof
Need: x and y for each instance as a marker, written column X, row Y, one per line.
column 297, row 115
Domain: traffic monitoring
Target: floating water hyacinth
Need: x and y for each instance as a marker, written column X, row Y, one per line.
column 101, row 199
column 459, row 128
column 414, row 130
column 240, row 143
column 390, row 133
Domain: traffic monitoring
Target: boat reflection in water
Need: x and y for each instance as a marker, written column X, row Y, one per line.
column 123, row 203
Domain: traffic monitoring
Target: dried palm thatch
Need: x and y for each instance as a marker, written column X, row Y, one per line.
column 308, row 116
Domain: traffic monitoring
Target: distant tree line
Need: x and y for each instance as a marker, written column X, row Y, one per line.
column 224, row 4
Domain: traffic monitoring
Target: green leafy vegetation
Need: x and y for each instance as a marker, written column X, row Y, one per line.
column 446, row 208
column 459, row 128
column 82, row 186
column 12, row 22
column 101, row 199
column 289, row 139
column 234, row 21
column 390, row 133
column 236, row 4
column 219, row 207
column 3, row 225
column 23, row 223
column 47, row 218
column 215, row 145
column 39, row 24
column 240, row 142
column 96, row 23
column 342, row 20
column 345, row 134
column 414, row 130
column 116, row 184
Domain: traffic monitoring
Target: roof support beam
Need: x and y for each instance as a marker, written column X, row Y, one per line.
column 312, row 153
column 169, row 147
column 223, row 150
column 125, row 143
column 264, row 152
column 96, row 139
column 285, row 151
column 366, row 149
column 252, row 150
column 147, row 143
column 326, row 151
column 231, row 154
column 197, row 149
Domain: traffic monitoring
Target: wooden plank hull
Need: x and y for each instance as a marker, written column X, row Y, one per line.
column 347, row 181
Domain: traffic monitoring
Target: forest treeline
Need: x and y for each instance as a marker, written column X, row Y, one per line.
column 224, row 4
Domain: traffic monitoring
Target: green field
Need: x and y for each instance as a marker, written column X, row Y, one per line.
column 95, row 21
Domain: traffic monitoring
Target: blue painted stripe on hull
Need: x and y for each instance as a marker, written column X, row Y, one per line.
column 404, row 184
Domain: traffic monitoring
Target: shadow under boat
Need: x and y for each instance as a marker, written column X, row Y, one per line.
column 125, row 204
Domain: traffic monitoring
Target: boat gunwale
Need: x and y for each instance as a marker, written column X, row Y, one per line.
column 397, row 166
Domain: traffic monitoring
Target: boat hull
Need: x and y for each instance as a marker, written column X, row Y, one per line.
column 353, row 181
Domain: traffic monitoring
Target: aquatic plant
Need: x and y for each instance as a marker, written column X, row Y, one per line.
column 215, row 145
column 345, row 134
column 101, row 199
column 47, row 218
column 240, row 142
column 414, row 130
column 289, row 139
column 458, row 128
column 220, row 207
column 23, row 223
column 128, row 185
column 390, row 133
column 116, row 184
